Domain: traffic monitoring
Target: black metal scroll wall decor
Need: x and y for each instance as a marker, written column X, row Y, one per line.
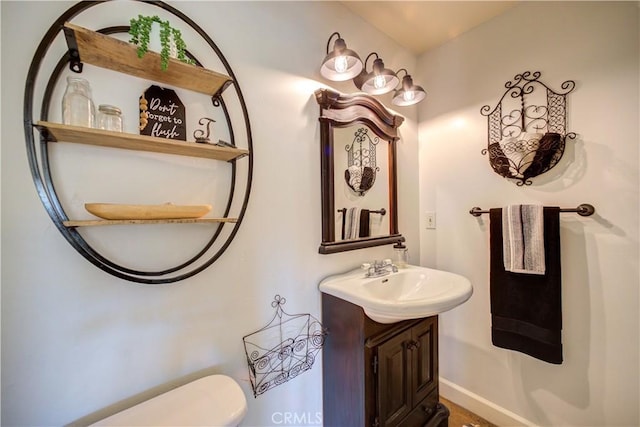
column 283, row 349
column 361, row 161
column 527, row 129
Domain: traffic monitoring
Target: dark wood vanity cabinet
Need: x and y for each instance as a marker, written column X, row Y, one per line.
column 379, row 375
column 405, row 367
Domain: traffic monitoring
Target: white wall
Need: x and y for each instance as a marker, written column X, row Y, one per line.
column 595, row 44
column 77, row 343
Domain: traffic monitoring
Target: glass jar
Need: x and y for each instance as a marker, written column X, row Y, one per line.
column 77, row 106
column 401, row 255
column 109, row 118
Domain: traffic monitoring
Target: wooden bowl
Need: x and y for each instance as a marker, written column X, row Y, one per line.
column 165, row 211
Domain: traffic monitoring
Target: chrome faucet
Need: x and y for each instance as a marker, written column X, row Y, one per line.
column 379, row 268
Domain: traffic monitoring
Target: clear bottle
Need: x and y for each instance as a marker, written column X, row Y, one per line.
column 109, row 118
column 400, row 255
column 77, row 106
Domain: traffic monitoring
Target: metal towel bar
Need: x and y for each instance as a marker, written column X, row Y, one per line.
column 382, row 211
column 584, row 209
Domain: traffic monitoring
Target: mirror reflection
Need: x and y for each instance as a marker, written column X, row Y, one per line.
column 358, row 137
column 361, row 183
column 360, row 174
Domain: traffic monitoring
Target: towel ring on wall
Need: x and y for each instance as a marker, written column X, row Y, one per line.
column 528, row 139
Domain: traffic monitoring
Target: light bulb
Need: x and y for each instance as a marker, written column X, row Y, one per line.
column 409, row 95
column 341, row 64
column 379, row 82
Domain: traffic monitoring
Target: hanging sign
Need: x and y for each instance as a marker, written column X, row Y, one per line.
column 162, row 114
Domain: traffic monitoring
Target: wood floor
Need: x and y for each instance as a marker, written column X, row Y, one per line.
column 461, row 417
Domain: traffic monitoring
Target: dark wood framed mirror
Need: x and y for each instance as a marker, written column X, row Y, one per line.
column 359, row 191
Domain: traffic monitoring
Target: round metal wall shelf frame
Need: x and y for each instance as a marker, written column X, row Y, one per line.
column 41, row 171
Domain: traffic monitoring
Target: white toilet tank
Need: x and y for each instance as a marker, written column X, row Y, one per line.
column 216, row 400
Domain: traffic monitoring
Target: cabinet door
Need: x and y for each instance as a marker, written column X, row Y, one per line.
column 423, row 412
column 424, row 358
column 394, row 380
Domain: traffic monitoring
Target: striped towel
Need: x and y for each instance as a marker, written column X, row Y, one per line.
column 352, row 223
column 523, row 239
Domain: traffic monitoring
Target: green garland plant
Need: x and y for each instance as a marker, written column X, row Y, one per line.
column 140, row 30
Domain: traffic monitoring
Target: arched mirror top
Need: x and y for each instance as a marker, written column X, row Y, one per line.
column 358, row 137
column 343, row 110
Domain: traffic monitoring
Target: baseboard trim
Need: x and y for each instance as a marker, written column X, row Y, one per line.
column 481, row 406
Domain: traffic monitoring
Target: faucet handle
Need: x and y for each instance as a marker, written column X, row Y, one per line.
column 365, row 266
column 387, row 261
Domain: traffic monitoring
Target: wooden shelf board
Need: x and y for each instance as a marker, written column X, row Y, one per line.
column 82, row 135
column 117, row 55
column 97, row 222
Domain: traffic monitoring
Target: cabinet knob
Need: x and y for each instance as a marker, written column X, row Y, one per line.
column 427, row 410
column 413, row 345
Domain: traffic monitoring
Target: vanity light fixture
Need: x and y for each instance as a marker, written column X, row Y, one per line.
column 341, row 63
column 379, row 81
column 409, row 93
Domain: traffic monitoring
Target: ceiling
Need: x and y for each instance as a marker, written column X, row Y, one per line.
column 422, row 25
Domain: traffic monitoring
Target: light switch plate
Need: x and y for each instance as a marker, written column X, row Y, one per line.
column 430, row 218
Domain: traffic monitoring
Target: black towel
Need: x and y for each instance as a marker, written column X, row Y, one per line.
column 546, row 153
column 344, row 221
column 526, row 309
column 499, row 162
column 364, row 223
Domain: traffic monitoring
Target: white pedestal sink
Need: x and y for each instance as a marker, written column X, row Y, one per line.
column 411, row 293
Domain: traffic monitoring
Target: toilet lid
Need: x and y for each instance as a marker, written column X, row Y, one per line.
column 215, row 400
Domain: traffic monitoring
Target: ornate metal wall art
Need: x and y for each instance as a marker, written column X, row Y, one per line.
column 283, row 349
column 527, row 128
column 361, row 160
